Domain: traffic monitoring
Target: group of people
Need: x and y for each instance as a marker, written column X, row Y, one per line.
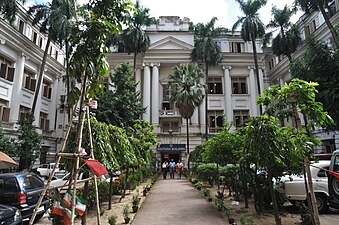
column 172, row 167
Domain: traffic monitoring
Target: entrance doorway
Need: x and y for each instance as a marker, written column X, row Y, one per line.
column 170, row 155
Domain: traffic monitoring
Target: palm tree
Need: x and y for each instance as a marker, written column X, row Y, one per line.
column 8, row 9
column 251, row 29
column 206, row 51
column 135, row 39
column 288, row 39
column 319, row 5
column 55, row 19
column 186, row 92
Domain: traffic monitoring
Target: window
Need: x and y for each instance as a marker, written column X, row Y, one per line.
column 34, row 37
column 23, row 111
column 239, row 85
column 214, row 85
column 29, row 80
column 170, row 126
column 6, row 69
column 323, row 173
column 56, row 54
column 40, row 42
column 46, row 89
column 21, row 26
column 166, row 95
column 237, row 47
column 328, row 145
column 44, row 121
column 240, row 117
column 4, row 111
column 215, row 121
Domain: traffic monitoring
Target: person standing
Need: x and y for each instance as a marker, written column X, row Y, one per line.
column 164, row 169
column 180, row 167
column 172, row 165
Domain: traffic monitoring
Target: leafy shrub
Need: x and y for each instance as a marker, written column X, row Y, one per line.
column 207, row 172
column 230, row 178
column 305, row 213
column 112, row 220
column 207, row 192
column 198, row 185
column 127, row 210
column 247, row 220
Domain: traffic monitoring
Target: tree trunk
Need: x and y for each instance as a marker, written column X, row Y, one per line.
column 255, row 56
column 68, row 82
column 206, row 101
column 41, row 74
column 110, row 190
column 125, row 183
column 188, row 145
column 274, row 200
column 329, row 25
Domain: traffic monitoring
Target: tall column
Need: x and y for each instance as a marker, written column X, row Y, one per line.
column 253, row 91
column 195, row 117
column 147, row 93
column 202, row 112
column 17, row 85
column 138, row 79
column 281, row 82
column 228, row 93
column 261, row 80
column 38, row 103
column 155, row 95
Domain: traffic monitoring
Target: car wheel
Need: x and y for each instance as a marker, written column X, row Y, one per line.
column 334, row 185
column 321, row 203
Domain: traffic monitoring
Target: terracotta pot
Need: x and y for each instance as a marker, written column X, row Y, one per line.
column 127, row 220
column 135, row 208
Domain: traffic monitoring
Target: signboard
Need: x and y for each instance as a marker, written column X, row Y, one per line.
column 172, row 147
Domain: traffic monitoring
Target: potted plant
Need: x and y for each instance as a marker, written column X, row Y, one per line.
column 135, row 202
column 198, row 185
column 144, row 192
column 126, row 213
column 112, row 220
column 206, row 192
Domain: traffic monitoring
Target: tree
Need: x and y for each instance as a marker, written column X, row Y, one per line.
column 29, row 142
column 319, row 64
column 134, row 39
column 288, row 38
column 6, row 144
column 285, row 103
column 8, row 9
column 186, row 92
column 55, row 20
column 320, row 5
column 207, row 52
column 120, row 106
column 251, row 29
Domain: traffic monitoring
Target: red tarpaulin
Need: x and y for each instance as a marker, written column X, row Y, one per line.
column 97, row 168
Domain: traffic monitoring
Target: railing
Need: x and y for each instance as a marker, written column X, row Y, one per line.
column 169, row 113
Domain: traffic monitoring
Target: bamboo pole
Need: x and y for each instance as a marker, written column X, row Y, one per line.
column 95, row 177
column 35, row 211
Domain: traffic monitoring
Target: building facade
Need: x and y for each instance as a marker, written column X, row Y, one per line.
column 277, row 67
column 231, row 85
column 21, row 52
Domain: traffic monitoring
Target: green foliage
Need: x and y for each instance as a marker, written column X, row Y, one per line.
column 230, row 177
column 8, row 9
column 197, row 154
column 126, row 211
column 6, row 145
column 306, row 217
column 29, row 142
column 247, row 220
column 207, row 172
column 198, row 185
column 112, row 220
column 207, row 192
column 186, row 91
column 319, row 64
column 122, row 106
column 136, row 200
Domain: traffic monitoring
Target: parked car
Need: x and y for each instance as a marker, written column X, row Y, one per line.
column 293, row 186
column 22, row 190
column 45, row 170
column 9, row 215
column 60, row 185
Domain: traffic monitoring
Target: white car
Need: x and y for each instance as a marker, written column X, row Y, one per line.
column 60, row 185
column 45, row 170
column 293, row 186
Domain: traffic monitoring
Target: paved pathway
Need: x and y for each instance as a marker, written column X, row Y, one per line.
column 177, row 202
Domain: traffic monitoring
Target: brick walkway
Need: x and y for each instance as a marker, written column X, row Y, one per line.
column 177, row 202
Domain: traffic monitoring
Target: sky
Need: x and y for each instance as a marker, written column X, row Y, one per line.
column 227, row 11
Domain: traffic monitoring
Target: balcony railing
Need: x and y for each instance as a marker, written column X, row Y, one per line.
column 169, row 113
column 170, row 129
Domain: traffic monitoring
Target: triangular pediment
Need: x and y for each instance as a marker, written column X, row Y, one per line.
column 170, row 43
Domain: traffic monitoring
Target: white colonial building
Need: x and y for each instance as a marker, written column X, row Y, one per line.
column 277, row 67
column 232, row 85
column 21, row 52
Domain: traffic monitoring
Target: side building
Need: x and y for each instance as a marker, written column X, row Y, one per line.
column 232, row 86
column 21, row 52
column 277, row 67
